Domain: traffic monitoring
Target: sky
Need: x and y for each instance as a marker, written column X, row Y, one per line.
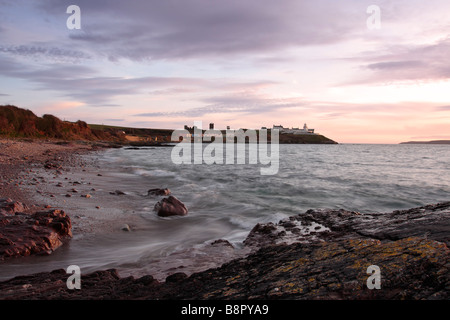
column 353, row 73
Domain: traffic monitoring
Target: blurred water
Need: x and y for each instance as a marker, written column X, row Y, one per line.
column 226, row 201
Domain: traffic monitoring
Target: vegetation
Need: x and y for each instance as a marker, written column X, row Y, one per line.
column 22, row 123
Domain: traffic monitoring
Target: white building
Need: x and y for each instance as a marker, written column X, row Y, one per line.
column 305, row 130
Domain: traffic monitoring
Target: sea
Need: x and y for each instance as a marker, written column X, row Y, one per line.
column 225, row 201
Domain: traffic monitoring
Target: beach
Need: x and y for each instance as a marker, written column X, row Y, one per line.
column 105, row 229
column 314, row 254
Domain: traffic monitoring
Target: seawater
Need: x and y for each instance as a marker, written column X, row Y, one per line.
column 227, row 201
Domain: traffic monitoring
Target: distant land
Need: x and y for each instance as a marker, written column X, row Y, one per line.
column 142, row 136
column 428, row 142
column 16, row 122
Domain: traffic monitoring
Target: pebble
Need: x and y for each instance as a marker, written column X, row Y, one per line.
column 125, row 227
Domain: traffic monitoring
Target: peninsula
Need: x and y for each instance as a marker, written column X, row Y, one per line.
column 16, row 122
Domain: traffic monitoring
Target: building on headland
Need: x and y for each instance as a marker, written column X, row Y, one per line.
column 282, row 130
column 293, row 130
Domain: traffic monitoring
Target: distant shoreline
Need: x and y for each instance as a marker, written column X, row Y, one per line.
column 427, row 142
column 19, row 123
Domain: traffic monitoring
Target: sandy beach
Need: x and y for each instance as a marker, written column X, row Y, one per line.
column 23, row 161
column 67, row 176
column 52, row 174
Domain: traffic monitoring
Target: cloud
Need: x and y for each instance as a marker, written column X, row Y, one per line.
column 395, row 65
column 85, row 84
column 155, row 30
column 403, row 63
column 42, row 51
column 114, row 120
column 234, row 103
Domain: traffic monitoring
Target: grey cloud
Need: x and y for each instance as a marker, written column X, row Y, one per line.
column 406, row 63
column 82, row 83
column 395, row 65
column 38, row 51
column 233, row 103
column 181, row 29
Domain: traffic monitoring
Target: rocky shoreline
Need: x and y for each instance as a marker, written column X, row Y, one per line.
column 318, row 254
column 329, row 262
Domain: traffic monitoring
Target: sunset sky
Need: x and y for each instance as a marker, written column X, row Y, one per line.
column 242, row 63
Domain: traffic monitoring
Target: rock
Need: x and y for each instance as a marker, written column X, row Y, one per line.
column 262, row 234
column 159, row 192
column 118, row 193
column 125, row 227
column 176, row 277
column 329, row 264
column 86, row 195
column 222, row 242
column 10, row 207
column 170, row 206
column 431, row 221
column 38, row 233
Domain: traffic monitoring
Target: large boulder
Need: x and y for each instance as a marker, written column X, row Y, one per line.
column 24, row 234
column 170, row 206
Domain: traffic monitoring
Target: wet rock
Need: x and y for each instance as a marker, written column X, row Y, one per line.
column 330, row 263
column 262, row 235
column 176, row 277
column 431, row 221
column 170, row 206
column 37, row 233
column 222, row 242
column 10, row 207
column 159, row 192
column 118, row 193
